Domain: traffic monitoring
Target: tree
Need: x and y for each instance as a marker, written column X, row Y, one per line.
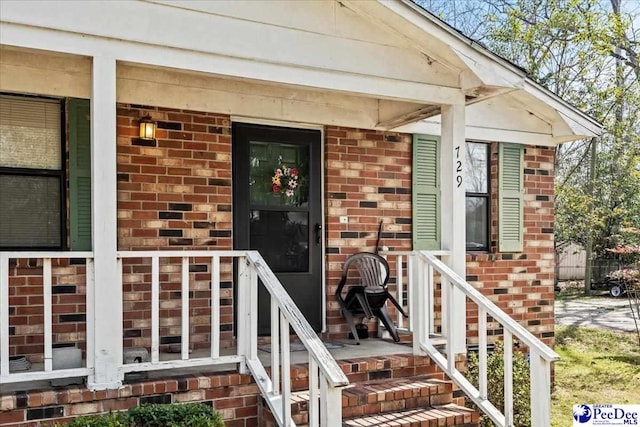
column 586, row 51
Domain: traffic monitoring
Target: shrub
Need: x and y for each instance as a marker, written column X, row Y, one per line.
column 495, row 384
column 104, row 420
column 176, row 415
column 156, row 415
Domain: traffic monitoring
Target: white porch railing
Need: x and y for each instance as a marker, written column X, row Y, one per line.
column 48, row 373
column 418, row 278
column 326, row 379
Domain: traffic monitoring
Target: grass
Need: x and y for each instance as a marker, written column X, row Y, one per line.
column 597, row 366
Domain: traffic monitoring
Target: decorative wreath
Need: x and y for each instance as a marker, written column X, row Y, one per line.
column 285, row 181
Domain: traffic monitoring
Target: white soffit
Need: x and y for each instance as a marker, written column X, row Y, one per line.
column 482, row 67
column 514, row 117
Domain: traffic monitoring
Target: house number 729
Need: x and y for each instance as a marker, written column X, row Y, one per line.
column 458, row 167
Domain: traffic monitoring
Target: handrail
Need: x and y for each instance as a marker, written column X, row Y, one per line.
column 514, row 327
column 418, row 274
column 327, row 364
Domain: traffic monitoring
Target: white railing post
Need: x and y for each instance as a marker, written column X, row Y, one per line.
column 252, row 296
column 482, row 352
column 508, row 378
column 155, row 309
column 215, row 307
column 430, row 300
column 411, row 291
column 243, row 307
column 275, row 346
column 4, row 316
column 418, row 283
column 107, row 274
column 47, row 309
column 330, row 403
column 285, row 363
column 447, row 319
column 91, row 309
column 314, row 397
column 184, row 339
column 400, row 291
column 540, row 390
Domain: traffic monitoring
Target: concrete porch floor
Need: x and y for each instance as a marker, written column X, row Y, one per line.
column 370, row 347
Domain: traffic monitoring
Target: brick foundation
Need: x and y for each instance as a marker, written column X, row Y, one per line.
column 235, row 396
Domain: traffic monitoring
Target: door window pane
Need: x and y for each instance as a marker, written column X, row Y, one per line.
column 279, row 174
column 282, row 238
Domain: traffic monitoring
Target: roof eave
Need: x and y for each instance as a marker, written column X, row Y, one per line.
column 582, row 123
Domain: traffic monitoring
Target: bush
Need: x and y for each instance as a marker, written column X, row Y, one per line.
column 495, row 384
column 176, row 415
column 104, row 420
column 156, row 415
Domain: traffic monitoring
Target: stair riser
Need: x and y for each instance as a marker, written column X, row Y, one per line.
column 373, row 398
column 369, row 369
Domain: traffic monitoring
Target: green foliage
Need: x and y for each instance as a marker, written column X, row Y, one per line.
column 105, row 420
column 177, row 415
column 495, row 384
column 587, row 52
column 156, row 415
column 596, row 365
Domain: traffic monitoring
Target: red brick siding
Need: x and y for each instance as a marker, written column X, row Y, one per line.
column 367, row 179
column 521, row 283
column 233, row 395
column 26, row 313
column 174, row 193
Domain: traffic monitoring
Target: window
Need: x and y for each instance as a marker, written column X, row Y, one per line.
column 477, row 196
column 31, row 173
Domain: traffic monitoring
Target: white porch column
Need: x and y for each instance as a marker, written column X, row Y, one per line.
column 107, row 331
column 453, row 219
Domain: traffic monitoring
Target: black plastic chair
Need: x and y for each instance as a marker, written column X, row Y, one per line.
column 370, row 296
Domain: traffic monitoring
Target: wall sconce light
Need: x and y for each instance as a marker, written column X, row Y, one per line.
column 147, row 128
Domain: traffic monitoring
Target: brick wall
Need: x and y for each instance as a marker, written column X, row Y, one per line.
column 521, row 283
column 367, row 179
column 233, row 395
column 174, row 193
column 26, row 312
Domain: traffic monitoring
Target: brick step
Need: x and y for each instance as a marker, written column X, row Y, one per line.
column 373, row 368
column 379, row 396
column 442, row 415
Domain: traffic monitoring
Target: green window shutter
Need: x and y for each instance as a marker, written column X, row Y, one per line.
column 426, row 192
column 80, row 174
column 510, row 197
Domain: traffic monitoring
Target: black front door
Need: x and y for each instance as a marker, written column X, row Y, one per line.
column 277, row 210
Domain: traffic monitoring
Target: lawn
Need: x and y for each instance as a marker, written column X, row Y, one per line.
column 597, row 366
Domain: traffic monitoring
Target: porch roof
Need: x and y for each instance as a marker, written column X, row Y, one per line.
column 384, row 64
column 484, row 76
